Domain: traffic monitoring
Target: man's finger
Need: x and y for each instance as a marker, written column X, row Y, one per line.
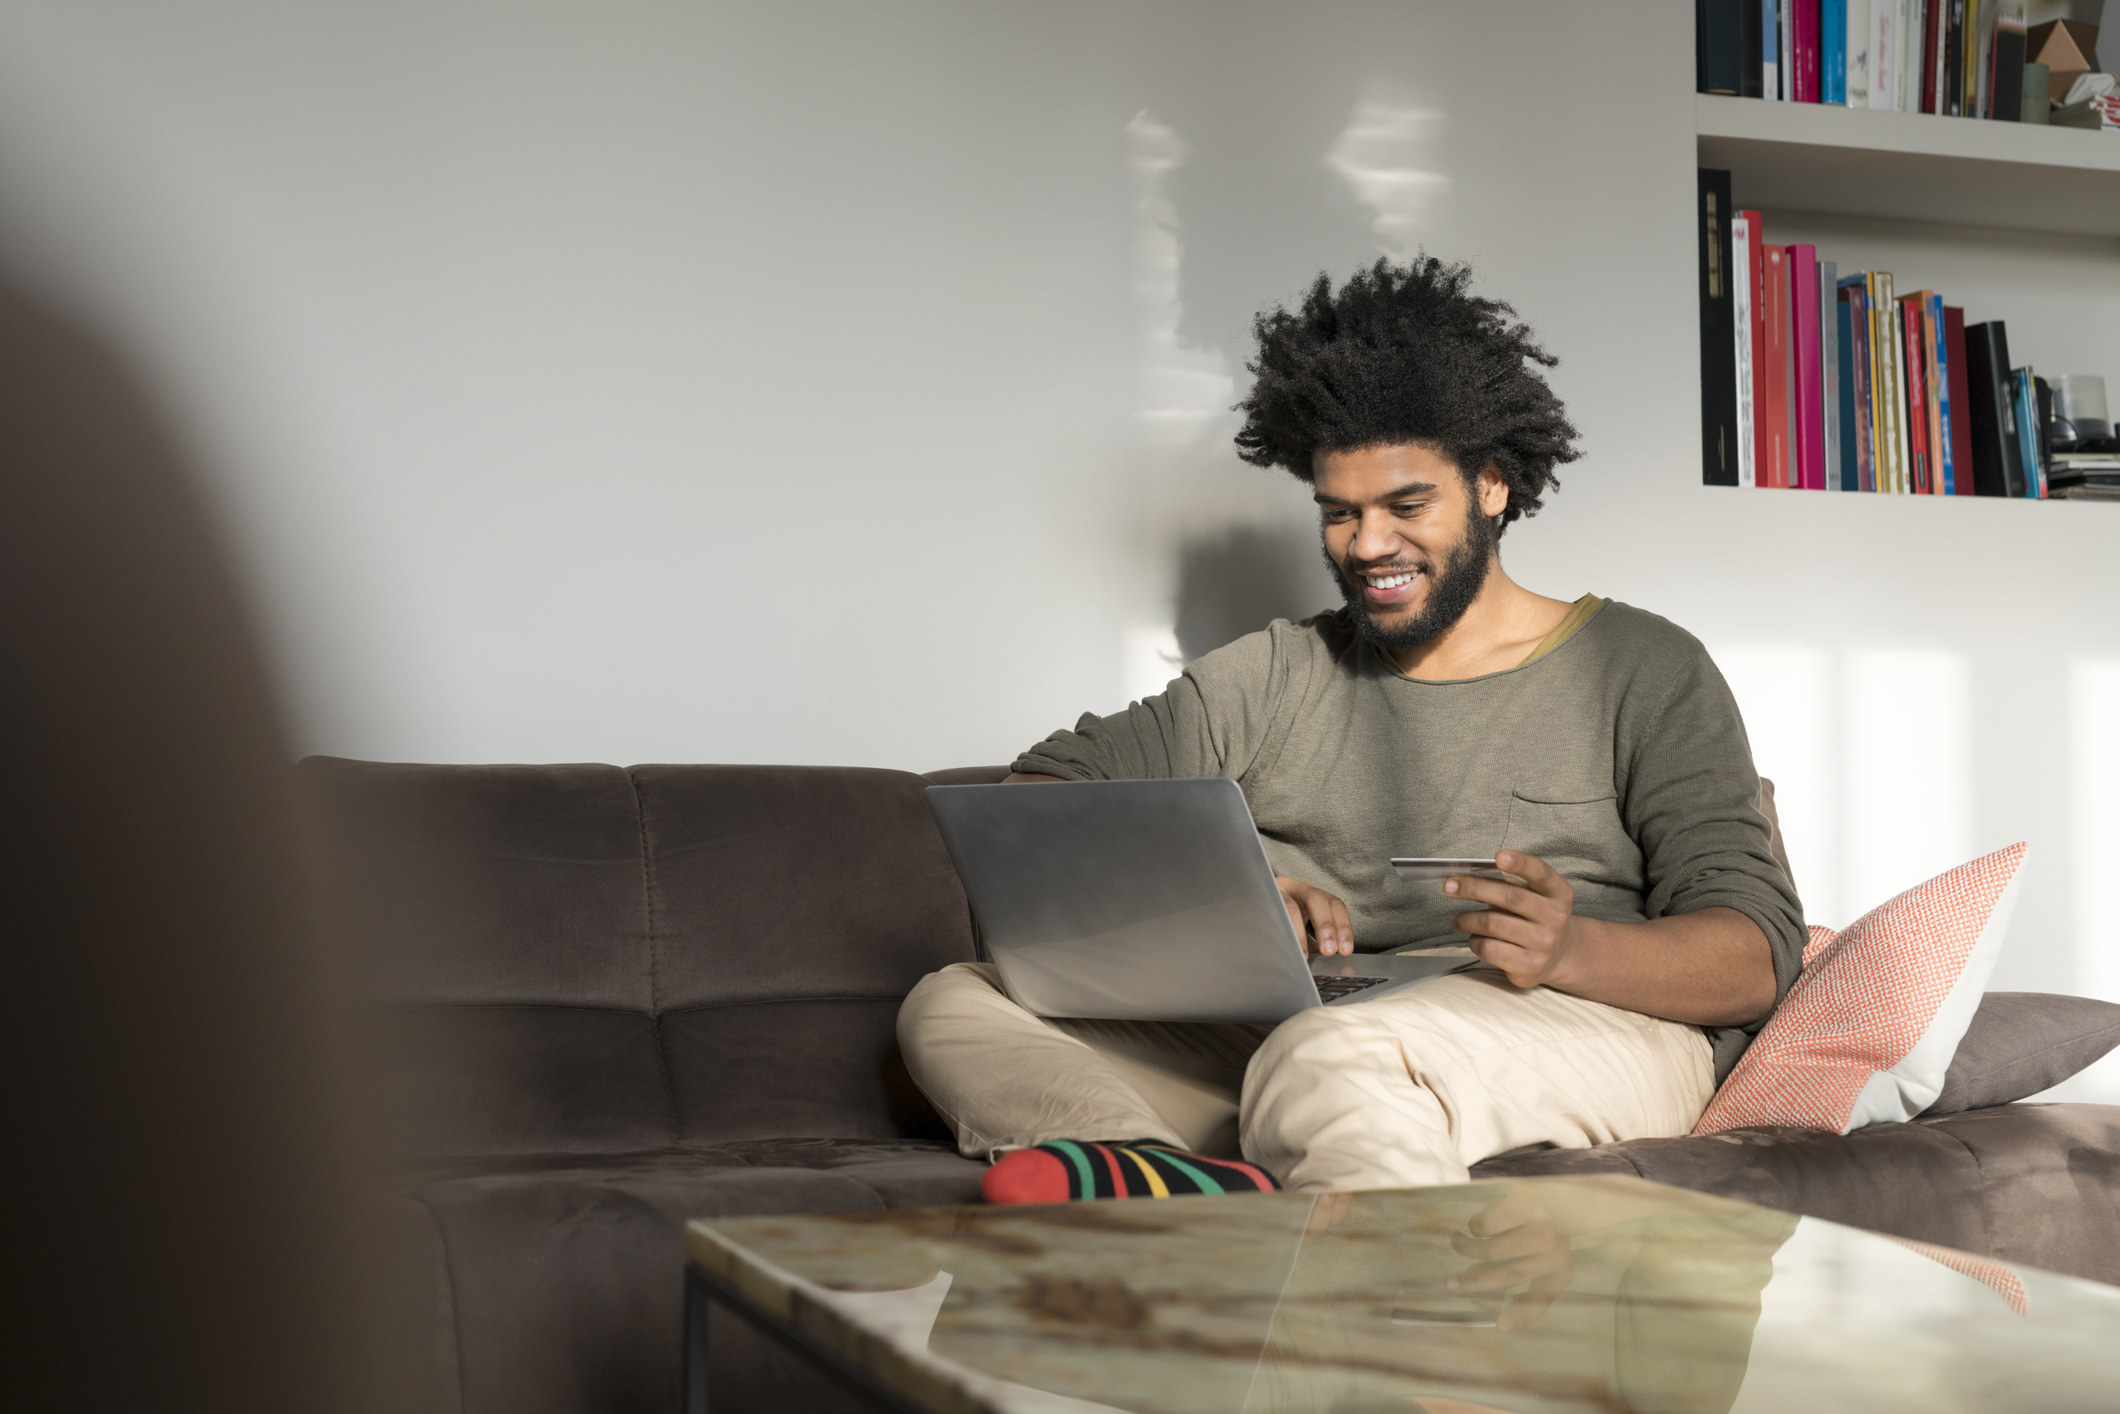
column 1501, row 1276
column 1295, row 921
column 1530, row 1240
column 1512, row 1210
column 1536, row 873
column 1496, row 894
column 1319, row 917
column 1344, row 921
column 1486, row 923
column 1533, row 1304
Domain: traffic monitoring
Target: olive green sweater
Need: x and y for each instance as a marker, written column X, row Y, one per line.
column 1618, row 757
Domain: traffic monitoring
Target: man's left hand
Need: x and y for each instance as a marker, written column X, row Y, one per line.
column 1528, row 930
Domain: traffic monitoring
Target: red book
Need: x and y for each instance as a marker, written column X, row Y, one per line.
column 1774, row 407
column 1810, row 385
column 1759, row 347
column 1961, row 401
column 1931, row 74
column 1803, row 26
column 1917, row 382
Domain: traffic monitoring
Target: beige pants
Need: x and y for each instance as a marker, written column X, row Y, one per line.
column 1406, row 1089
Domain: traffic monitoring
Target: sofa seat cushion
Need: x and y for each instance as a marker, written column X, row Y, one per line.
column 561, row 1273
column 2038, row 1184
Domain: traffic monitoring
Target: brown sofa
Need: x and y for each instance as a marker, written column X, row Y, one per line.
column 610, row 999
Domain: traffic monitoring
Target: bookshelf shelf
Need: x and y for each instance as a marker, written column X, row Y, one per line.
column 1912, row 166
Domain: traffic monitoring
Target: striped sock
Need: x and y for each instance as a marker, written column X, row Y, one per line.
column 1138, row 1168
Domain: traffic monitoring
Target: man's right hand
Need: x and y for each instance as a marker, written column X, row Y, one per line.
column 1320, row 919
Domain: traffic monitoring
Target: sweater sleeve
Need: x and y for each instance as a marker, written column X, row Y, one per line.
column 1692, row 805
column 1210, row 721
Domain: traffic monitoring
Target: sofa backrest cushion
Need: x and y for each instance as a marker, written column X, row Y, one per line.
column 592, row 959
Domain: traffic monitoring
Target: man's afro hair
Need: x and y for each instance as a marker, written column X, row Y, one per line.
column 1402, row 353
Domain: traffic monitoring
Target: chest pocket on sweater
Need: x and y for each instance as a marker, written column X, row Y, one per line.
column 1580, row 834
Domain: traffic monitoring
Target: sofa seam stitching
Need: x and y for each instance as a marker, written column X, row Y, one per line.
column 647, row 906
column 456, row 1309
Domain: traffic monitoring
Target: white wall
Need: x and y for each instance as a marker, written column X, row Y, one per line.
column 848, row 382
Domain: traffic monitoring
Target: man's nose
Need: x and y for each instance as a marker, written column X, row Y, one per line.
column 1375, row 538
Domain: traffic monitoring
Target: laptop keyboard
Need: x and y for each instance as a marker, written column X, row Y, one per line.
column 1331, row 989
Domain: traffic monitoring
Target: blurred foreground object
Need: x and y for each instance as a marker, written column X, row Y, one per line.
column 171, row 1226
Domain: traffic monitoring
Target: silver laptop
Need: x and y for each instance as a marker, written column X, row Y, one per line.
column 1145, row 901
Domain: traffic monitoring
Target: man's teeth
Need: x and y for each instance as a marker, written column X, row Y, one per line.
column 1390, row 581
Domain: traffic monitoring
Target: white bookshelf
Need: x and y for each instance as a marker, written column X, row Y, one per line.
column 1912, row 166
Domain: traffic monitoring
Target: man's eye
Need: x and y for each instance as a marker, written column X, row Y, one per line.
column 1409, row 509
column 1336, row 517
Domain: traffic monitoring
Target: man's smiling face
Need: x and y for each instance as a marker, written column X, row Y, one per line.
column 1402, row 530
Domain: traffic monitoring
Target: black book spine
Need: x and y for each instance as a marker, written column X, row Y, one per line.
column 1718, row 46
column 1997, row 468
column 1953, row 75
column 2008, row 84
column 1718, row 346
column 1748, row 22
column 2043, row 436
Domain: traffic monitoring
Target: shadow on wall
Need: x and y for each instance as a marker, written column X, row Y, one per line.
column 1244, row 577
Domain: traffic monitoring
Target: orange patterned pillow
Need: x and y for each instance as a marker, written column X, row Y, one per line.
column 1869, row 1029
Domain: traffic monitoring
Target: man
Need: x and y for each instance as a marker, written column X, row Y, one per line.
column 1445, row 710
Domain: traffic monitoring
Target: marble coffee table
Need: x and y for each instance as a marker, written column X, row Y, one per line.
column 1610, row 1294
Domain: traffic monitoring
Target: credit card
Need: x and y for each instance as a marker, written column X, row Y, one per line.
column 1418, row 870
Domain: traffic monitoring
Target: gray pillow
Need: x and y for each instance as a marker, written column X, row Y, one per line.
column 2021, row 1043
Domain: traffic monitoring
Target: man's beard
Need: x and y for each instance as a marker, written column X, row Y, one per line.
column 1451, row 589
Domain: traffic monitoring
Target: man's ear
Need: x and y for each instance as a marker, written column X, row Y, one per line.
column 1494, row 491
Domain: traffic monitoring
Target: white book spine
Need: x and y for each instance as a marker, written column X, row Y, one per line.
column 1858, row 53
column 1829, row 364
column 1788, row 48
column 1884, row 40
column 1912, row 18
column 1741, row 318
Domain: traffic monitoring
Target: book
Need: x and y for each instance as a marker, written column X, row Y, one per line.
column 1827, row 285
column 1997, row 469
column 1981, row 41
column 2024, row 404
column 2042, row 405
column 1959, row 398
column 1917, row 56
column 1718, row 46
column 1855, row 299
column 1803, row 50
column 1891, row 396
column 1774, row 403
column 1718, row 373
column 1847, row 470
column 1833, row 53
column 1858, row 53
column 1770, row 50
column 1940, row 453
column 1785, row 15
column 1884, row 49
column 1742, row 332
column 2006, row 98
column 1935, row 391
column 1951, row 60
column 1748, row 18
column 1932, row 30
column 1756, row 251
column 1805, row 345
column 1914, row 379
